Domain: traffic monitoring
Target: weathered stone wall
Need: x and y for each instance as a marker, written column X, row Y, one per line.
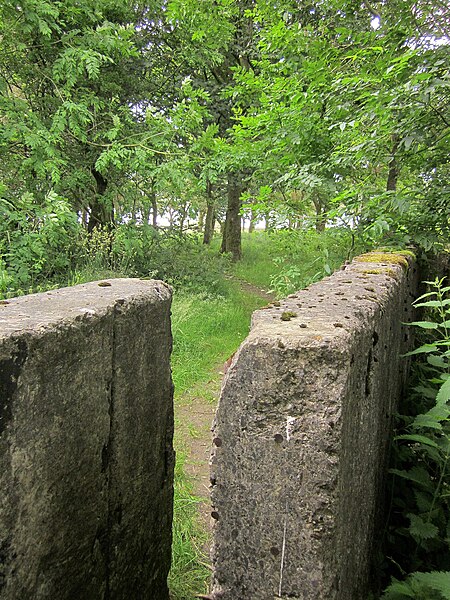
column 301, row 437
column 86, row 459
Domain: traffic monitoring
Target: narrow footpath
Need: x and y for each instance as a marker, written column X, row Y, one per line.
column 194, row 414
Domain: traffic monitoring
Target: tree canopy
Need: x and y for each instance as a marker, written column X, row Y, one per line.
column 336, row 111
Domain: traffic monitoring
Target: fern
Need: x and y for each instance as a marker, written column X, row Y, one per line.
column 436, row 580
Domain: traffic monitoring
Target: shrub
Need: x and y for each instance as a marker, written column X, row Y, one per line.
column 420, row 512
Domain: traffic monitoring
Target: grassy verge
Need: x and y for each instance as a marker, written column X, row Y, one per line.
column 206, row 331
column 189, row 571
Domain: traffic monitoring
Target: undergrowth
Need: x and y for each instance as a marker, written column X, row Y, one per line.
column 285, row 261
column 418, row 544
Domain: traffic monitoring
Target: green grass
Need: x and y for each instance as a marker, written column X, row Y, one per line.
column 206, row 332
column 189, row 574
column 286, row 261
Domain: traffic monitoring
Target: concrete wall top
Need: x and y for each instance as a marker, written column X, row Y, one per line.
column 326, row 312
column 37, row 311
column 86, row 453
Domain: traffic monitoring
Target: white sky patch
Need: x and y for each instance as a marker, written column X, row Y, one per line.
column 375, row 23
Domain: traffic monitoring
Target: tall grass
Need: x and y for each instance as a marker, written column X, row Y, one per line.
column 189, row 573
column 287, row 260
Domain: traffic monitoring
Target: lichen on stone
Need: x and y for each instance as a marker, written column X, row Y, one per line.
column 381, row 271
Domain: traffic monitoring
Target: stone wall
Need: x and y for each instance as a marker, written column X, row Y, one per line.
column 302, row 433
column 86, row 458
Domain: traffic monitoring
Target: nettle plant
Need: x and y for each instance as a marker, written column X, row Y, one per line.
column 419, row 538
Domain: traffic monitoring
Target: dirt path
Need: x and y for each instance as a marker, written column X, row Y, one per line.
column 194, row 413
column 253, row 289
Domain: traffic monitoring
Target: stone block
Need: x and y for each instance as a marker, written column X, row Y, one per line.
column 86, row 458
column 301, row 438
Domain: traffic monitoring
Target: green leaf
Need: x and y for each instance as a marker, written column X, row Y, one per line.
column 425, row 349
column 415, row 474
column 423, row 500
column 437, row 361
column 424, row 324
column 420, row 439
column 433, row 303
column 426, row 295
column 420, row 529
column 426, row 391
column 443, row 395
column 428, row 422
column 435, row 580
column 398, row 590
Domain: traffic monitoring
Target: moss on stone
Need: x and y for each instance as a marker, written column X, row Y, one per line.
column 395, row 258
column 288, row 315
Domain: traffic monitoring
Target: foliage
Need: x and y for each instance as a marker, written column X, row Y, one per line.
column 127, row 109
column 288, row 260
column 181, row 260
column 353, row 114
column 420, row 586
column 421, row 485
column 36, row 241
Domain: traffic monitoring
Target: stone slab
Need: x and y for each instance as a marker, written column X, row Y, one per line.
column 86, row 459
column 301, row 438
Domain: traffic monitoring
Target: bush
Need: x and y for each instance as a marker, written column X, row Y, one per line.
column 37, row 241
column 182, row 261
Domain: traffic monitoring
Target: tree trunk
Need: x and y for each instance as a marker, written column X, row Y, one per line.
column 210, row 216
column 394, row 169
column 321, row 216
column 251, row 225
column 146, row 214
column 201, row 220
column 100, row 215
column 231, row 241
column 154, row 208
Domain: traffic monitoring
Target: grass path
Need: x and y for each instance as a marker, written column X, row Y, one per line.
column 195, row 405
